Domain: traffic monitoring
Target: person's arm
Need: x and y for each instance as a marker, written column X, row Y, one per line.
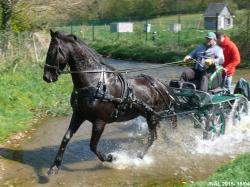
column 193, row 54
column 234, row 59
column 219, row 57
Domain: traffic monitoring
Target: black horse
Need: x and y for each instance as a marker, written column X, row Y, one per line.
column 101, row 94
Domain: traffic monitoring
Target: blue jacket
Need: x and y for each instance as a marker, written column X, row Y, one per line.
column 203, row 52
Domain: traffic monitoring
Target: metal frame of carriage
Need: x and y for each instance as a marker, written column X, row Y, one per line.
column 210, row 110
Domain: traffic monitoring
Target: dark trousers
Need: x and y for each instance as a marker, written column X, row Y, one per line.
column 199, row 78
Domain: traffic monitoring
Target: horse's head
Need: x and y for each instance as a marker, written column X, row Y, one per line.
column 56, row 59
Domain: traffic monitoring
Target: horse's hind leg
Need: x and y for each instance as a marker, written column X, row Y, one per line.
column 75, row 123
column 152, row 124
column 97, row 130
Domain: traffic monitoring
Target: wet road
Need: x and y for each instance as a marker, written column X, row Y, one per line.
column 178, row 156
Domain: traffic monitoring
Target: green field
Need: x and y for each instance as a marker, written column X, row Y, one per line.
column 168, row 45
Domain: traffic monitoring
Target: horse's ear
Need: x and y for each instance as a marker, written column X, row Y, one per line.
column 75, row 38
column 52, row 33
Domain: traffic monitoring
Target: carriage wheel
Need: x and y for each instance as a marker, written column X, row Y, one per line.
column 215, row 125
column 200, row 121
column 240, row 110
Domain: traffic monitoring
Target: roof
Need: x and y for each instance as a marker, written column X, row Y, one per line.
column 215, row 8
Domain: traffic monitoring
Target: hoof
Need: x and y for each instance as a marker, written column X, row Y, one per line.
column 110, row 158
column 140, row 155
column 53, row 170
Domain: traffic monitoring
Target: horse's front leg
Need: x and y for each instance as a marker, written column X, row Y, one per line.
column 97, row 131
column 152, row 136
column 75, row 123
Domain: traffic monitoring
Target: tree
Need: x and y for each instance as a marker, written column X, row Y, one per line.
column 6, row 14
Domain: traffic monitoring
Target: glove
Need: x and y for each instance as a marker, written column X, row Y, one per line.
column 187, row 58
column 209, row 62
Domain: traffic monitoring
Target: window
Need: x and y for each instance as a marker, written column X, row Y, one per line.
column 227, row 21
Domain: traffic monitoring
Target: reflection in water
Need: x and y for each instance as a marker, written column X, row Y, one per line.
column 179, row 154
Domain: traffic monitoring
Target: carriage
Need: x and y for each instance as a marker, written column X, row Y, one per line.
column 211, row 111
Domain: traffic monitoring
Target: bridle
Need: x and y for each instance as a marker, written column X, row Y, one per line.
column 57, row 68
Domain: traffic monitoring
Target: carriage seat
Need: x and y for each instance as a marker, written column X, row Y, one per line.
column 215, row 83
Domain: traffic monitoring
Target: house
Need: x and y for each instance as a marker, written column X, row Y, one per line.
column 218, row 17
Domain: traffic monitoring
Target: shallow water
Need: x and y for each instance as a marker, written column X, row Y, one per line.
column 178, row 156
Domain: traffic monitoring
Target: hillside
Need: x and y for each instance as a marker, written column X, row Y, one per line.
column 39, row 13
column 45, row 12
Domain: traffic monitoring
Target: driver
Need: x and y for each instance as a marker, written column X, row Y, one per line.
column 206, row 56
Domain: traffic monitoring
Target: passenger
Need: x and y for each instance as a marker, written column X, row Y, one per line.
column 207, row 56
column 232, row 58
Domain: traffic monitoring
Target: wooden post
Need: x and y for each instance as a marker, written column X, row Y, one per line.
column 35, row 49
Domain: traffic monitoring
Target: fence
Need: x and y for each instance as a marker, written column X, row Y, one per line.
column 24, row 46
column 162, row 29
column 170, row 33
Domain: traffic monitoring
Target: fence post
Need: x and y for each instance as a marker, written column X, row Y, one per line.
column 248, row 26
column 118, row 35
column 35, row 48
column 71, row 28
column 179, row 31
column 93, row 31
column 146, row 30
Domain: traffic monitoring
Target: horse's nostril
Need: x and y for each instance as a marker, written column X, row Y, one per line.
column 46, row 77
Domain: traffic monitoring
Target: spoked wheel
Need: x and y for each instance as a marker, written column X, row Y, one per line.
column 240, row 110
column 199, row 120
column 215, row 125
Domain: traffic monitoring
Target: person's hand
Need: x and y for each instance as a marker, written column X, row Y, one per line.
column 209, row 62
column 187, row 58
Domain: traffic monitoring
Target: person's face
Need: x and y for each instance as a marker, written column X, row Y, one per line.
column 210, row 41
column 220, row 40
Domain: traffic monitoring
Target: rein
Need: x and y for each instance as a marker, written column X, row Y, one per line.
column 129, row 70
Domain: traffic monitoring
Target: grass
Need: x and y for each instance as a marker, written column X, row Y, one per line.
column 25, row 96
column 234, row 173
column 168, row 45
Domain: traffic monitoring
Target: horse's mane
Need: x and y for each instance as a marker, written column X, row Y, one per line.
column 90, row 53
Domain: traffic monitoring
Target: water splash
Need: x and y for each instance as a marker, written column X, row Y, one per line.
column 124, row 160
column 235, row 141
column 126, row 157
column 181, row 141
column 139, row 125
